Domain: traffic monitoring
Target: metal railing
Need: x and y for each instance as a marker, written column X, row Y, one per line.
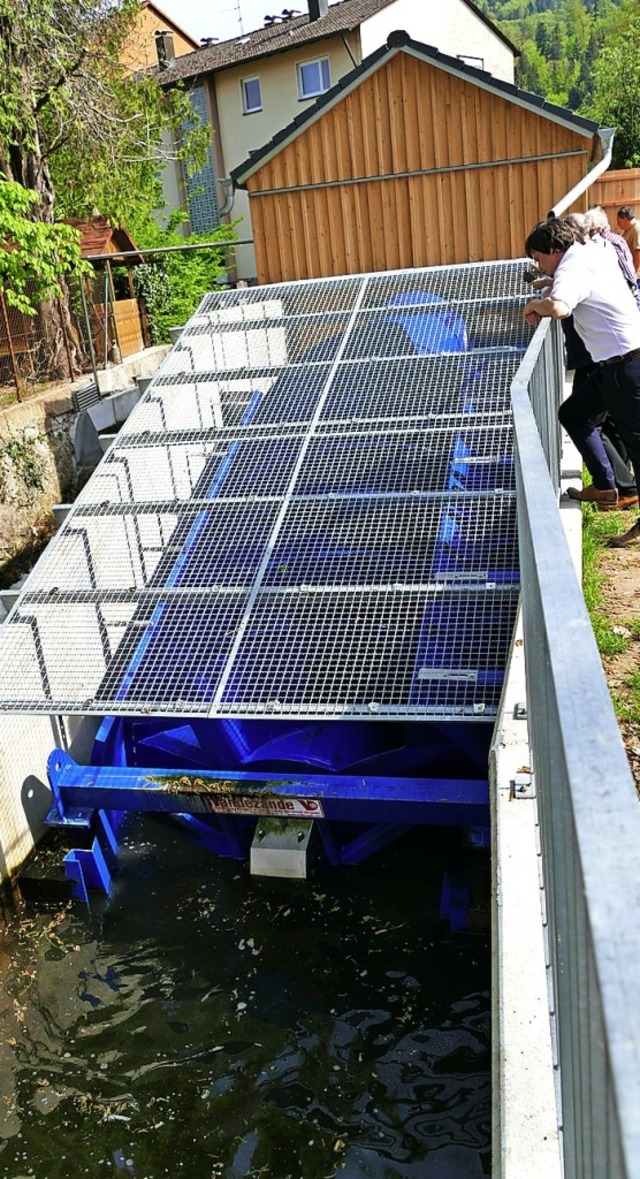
column 588, row 810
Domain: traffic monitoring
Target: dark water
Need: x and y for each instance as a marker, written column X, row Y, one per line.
column 206, row 1025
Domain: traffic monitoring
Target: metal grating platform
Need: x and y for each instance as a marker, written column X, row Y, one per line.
column 310, row 513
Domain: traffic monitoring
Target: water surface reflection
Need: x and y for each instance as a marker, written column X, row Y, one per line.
column 205, row 1025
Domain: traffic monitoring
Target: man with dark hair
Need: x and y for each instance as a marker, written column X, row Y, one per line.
column 587, row 283
column 553, row 236
column 630, row 230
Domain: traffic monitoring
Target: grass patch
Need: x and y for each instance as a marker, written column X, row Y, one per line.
column 596, row 527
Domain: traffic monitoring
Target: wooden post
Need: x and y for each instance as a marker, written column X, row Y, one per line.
column 66, row 338
column 12, row 357
column 113, row 307
column 87, row 320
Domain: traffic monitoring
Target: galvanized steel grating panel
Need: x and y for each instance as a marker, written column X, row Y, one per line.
column 367, row 541
column 423, row 650
column 419, row 387
column 311, row 512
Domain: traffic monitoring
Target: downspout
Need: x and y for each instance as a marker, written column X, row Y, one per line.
column 231, row 196
column 606, row 138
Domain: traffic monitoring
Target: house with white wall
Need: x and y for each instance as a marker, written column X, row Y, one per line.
column 252, row 86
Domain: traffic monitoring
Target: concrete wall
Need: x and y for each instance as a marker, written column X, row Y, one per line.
column 25, row 744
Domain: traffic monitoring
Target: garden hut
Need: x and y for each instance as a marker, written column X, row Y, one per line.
column 118, row 316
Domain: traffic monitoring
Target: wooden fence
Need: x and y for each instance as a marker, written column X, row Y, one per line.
column 123, row 328
column 614, row 189
column 119, row 328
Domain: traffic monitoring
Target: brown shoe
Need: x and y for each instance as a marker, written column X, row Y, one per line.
column 626, row 539
column 624, row 501
column 593, row 495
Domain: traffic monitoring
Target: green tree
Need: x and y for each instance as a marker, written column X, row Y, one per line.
column 616, row 94
column 75, row 130
column 532, row 70
column 33, row 254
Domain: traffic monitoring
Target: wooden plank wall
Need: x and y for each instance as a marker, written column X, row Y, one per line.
column 614, row 189
column 127, row 315
column 407, row 118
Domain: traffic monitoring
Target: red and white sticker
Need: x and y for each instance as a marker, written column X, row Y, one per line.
column 282, row 807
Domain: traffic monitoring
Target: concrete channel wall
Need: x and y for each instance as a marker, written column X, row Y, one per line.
column 26, row 741
column 25, row 744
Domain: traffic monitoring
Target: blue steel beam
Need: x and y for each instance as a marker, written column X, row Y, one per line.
column 373, row 799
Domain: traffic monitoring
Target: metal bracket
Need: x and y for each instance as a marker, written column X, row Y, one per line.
column 522, row 786
column 520, row 711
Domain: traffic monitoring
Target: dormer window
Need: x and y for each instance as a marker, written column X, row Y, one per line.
column 313, row 77
column 251, row 95
column 478, row 62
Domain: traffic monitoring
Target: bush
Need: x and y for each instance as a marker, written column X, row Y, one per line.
column 172, row 285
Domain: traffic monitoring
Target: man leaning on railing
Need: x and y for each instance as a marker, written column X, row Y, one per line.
column 586, row 282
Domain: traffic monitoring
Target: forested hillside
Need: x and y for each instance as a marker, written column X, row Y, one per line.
column 583, row 54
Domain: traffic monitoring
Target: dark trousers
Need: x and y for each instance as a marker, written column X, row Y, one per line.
column 618, row 457
column 609, row 389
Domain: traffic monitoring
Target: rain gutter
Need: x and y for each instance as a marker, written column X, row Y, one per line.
column 606, row 135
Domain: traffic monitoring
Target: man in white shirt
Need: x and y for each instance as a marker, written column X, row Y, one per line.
column 587, row 283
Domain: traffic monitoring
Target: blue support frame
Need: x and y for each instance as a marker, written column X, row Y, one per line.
column 356, row 815
column 93, row 868
column 78, row 790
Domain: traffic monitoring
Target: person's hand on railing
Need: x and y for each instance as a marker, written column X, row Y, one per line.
column 531, row 315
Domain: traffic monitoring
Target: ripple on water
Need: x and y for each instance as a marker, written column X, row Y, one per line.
column 205, row 1025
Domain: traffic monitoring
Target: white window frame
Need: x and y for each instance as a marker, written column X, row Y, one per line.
column 246, row 109
column 476, row 62
column 301, row 65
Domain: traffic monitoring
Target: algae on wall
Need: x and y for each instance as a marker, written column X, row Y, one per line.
column 37, row 470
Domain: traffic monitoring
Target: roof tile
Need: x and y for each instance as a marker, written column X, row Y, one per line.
column 341, row 18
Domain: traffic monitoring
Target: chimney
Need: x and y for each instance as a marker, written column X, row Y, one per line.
column 318, row 9
column 164, row 48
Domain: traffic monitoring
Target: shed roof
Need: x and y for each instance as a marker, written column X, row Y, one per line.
column 341, row 18
column 98, row 236
column 399, row 42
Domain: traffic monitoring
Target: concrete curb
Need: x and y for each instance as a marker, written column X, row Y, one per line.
column 527, row 1140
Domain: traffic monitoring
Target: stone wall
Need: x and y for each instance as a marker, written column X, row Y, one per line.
column 37, row 468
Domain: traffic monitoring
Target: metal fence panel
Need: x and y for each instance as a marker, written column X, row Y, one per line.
column 589, row 816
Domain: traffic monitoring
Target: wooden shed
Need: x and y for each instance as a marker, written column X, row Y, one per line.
column 118, row 315
column 413, row 159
